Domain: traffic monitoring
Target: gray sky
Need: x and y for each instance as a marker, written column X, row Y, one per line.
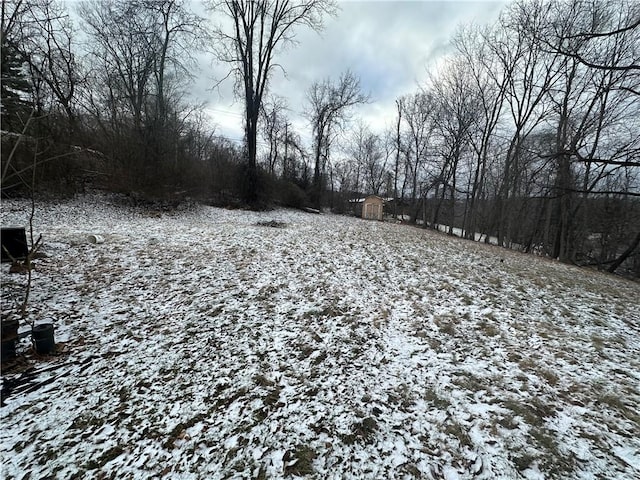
column 389, row 45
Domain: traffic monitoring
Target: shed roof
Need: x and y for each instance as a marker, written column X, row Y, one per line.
column 361, row 200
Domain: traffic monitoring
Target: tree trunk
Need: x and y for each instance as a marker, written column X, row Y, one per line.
column 397, row 165
column 251, row 185
column 626, row 254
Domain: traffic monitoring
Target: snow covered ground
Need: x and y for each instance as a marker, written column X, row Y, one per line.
column 206, row 344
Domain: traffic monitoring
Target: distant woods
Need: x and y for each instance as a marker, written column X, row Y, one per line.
column 528, row 132
column 111, row 94
column 533, row 132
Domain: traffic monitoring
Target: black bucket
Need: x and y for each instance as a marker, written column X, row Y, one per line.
column 8, row 349
column 14, row 244
column 42, row 336
column 10, row 328
column 9, row 337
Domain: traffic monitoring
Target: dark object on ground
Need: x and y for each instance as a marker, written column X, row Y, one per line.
column 8, row 350
column 43, row 339
column 9, row 337
column 14, row 241
column 272, row 223
column 10, row 328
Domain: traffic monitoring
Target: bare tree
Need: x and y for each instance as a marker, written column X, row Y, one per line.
column 590, row 110
column 123, row 54
column 328, row 109
column 529, row 73
column 556, row 84
column 370, row 157
column 456, row 108
column 592, row 42
column 275, row 131
column 259, row 29
column 418, row 118
column 472, row 44
column 398, row 148
column 40, row 80
column 141, row 54
column 42, row 35
column 178, row 31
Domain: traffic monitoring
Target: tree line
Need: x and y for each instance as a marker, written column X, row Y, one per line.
column 528, row 133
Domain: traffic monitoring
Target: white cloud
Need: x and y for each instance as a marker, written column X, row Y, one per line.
column 389, row 45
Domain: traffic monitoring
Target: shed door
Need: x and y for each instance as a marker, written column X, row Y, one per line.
column 372, row 211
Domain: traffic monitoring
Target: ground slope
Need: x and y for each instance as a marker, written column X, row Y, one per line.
column 208, row 343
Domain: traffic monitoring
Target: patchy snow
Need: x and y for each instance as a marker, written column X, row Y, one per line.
column 478, row 237
column 204, row 343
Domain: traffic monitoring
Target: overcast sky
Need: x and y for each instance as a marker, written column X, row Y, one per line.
column 389, row 45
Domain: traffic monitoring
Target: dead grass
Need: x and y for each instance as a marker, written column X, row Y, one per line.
column 299, row 461
column 616, row 403
column 551, row 378
column 534, row 412
column 554, row 461
column 488, row 328
column 446, row 324
column 459, row 432
column 436, row 400
column 284, row 340
column 363, row 431
column 598, row 342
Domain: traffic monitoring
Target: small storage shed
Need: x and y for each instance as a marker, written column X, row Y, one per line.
column 372, row 207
